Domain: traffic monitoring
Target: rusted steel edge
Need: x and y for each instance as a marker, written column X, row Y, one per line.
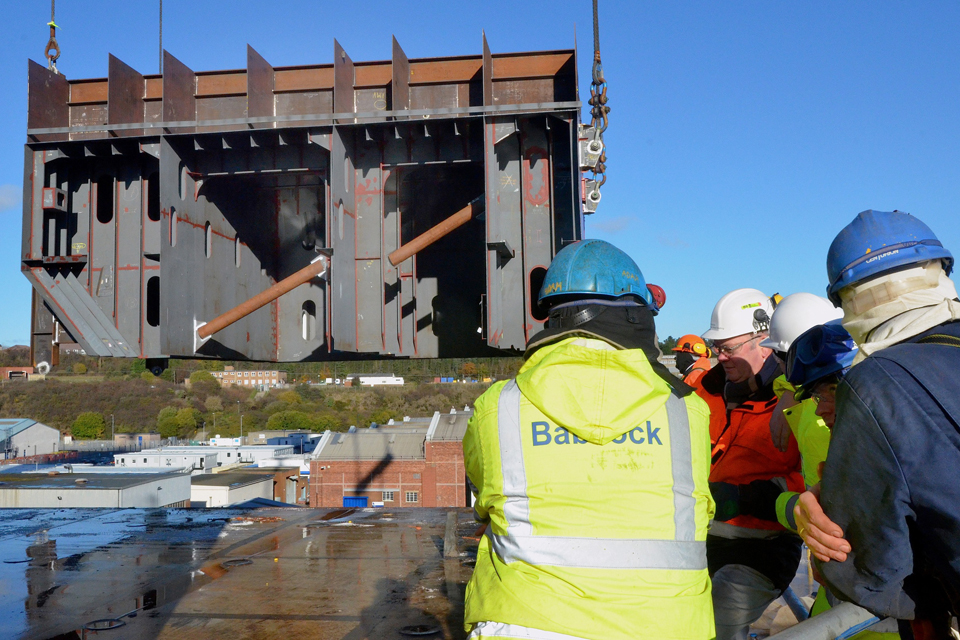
column 263, row 298
column 436, row 232
column 532, row 107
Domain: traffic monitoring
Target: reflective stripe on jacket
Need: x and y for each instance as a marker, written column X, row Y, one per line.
column 743, row 450
column 593, row 477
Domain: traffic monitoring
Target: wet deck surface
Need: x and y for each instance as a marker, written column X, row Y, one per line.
column 363, row 575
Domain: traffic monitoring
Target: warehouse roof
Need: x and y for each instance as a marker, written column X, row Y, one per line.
column 229, row 479
column 10, row 427
column 78, row 481
column 373, row 444
column 449, row 427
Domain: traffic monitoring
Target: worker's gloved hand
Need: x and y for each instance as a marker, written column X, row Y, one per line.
column 759, row 498
column 727, row 497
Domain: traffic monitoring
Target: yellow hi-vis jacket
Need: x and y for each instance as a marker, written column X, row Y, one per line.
column 813, row 439
column 592, row 475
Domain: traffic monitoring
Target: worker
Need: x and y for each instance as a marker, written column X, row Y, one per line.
column 591, row 469
column 817, row 361
column 795, row 314
column 752, row 557
column 693, row 358
column 886, row 537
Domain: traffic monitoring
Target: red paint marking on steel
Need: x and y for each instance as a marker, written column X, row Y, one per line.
column 182, row 219
column 275, row 313
column 129, row 267
column 365, row 191
column 540, row 197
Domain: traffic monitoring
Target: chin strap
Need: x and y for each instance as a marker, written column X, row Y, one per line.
column 583, row 316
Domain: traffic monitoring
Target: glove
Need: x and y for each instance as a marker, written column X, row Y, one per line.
column 759, row 498
column 727, row 497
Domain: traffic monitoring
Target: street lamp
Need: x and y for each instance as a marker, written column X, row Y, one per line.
column 241, row 429
column 113, row 435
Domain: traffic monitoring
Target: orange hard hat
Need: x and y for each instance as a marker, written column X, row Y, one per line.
column 692, row 344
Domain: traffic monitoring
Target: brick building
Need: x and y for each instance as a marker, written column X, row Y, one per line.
column 402, row 465
column 262, row 379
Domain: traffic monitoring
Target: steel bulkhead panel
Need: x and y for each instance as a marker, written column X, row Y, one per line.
column 181, row 291
column 129, row 287
column 34, row 173
column 342, row 235
column 505, row 275
column 301, row 311
column 368, row 198
column 537, row 209
column 103, row 237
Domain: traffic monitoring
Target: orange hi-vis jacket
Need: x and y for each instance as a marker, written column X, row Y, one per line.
column 743, row 450
column 696, row 371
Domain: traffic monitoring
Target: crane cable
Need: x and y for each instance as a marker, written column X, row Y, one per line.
column 52, row 50
column 598, row 101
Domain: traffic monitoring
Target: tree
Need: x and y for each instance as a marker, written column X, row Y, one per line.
column 213, row 403
column 201, row 376
column 468, row 370
column 80, row 368
column 291, row 397
column 289, row 421
column 146, row 376
column 204, row 382
column 167, row 422
column 139, row 366
column 327, row 422
column 89, row 426
column 186, row 421
column 382, row 416
column 167, row 375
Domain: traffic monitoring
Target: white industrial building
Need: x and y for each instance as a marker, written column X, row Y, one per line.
column 225, row 489
column 376, row 379
column 201, row 458
column 21, row 438
column 199, row 461
column 94, row 491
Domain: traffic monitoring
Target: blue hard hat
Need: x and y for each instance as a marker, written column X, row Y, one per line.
column 593, row 269
column 822, row 351
column 877, row 241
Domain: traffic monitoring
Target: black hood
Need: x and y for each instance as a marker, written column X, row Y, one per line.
column 629, row 326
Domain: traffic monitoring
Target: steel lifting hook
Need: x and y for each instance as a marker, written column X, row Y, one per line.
column 52, row 50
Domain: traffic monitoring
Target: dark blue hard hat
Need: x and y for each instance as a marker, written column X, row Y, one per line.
column 822, row 351
column 593, row 269
column 878, row 241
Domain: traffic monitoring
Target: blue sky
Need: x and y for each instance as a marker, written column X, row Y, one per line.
column 743, row 135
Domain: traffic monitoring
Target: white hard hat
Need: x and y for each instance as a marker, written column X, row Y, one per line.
column 740, row 312
column 795, row 314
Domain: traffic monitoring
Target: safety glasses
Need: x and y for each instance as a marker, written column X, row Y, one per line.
column 729, row 350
